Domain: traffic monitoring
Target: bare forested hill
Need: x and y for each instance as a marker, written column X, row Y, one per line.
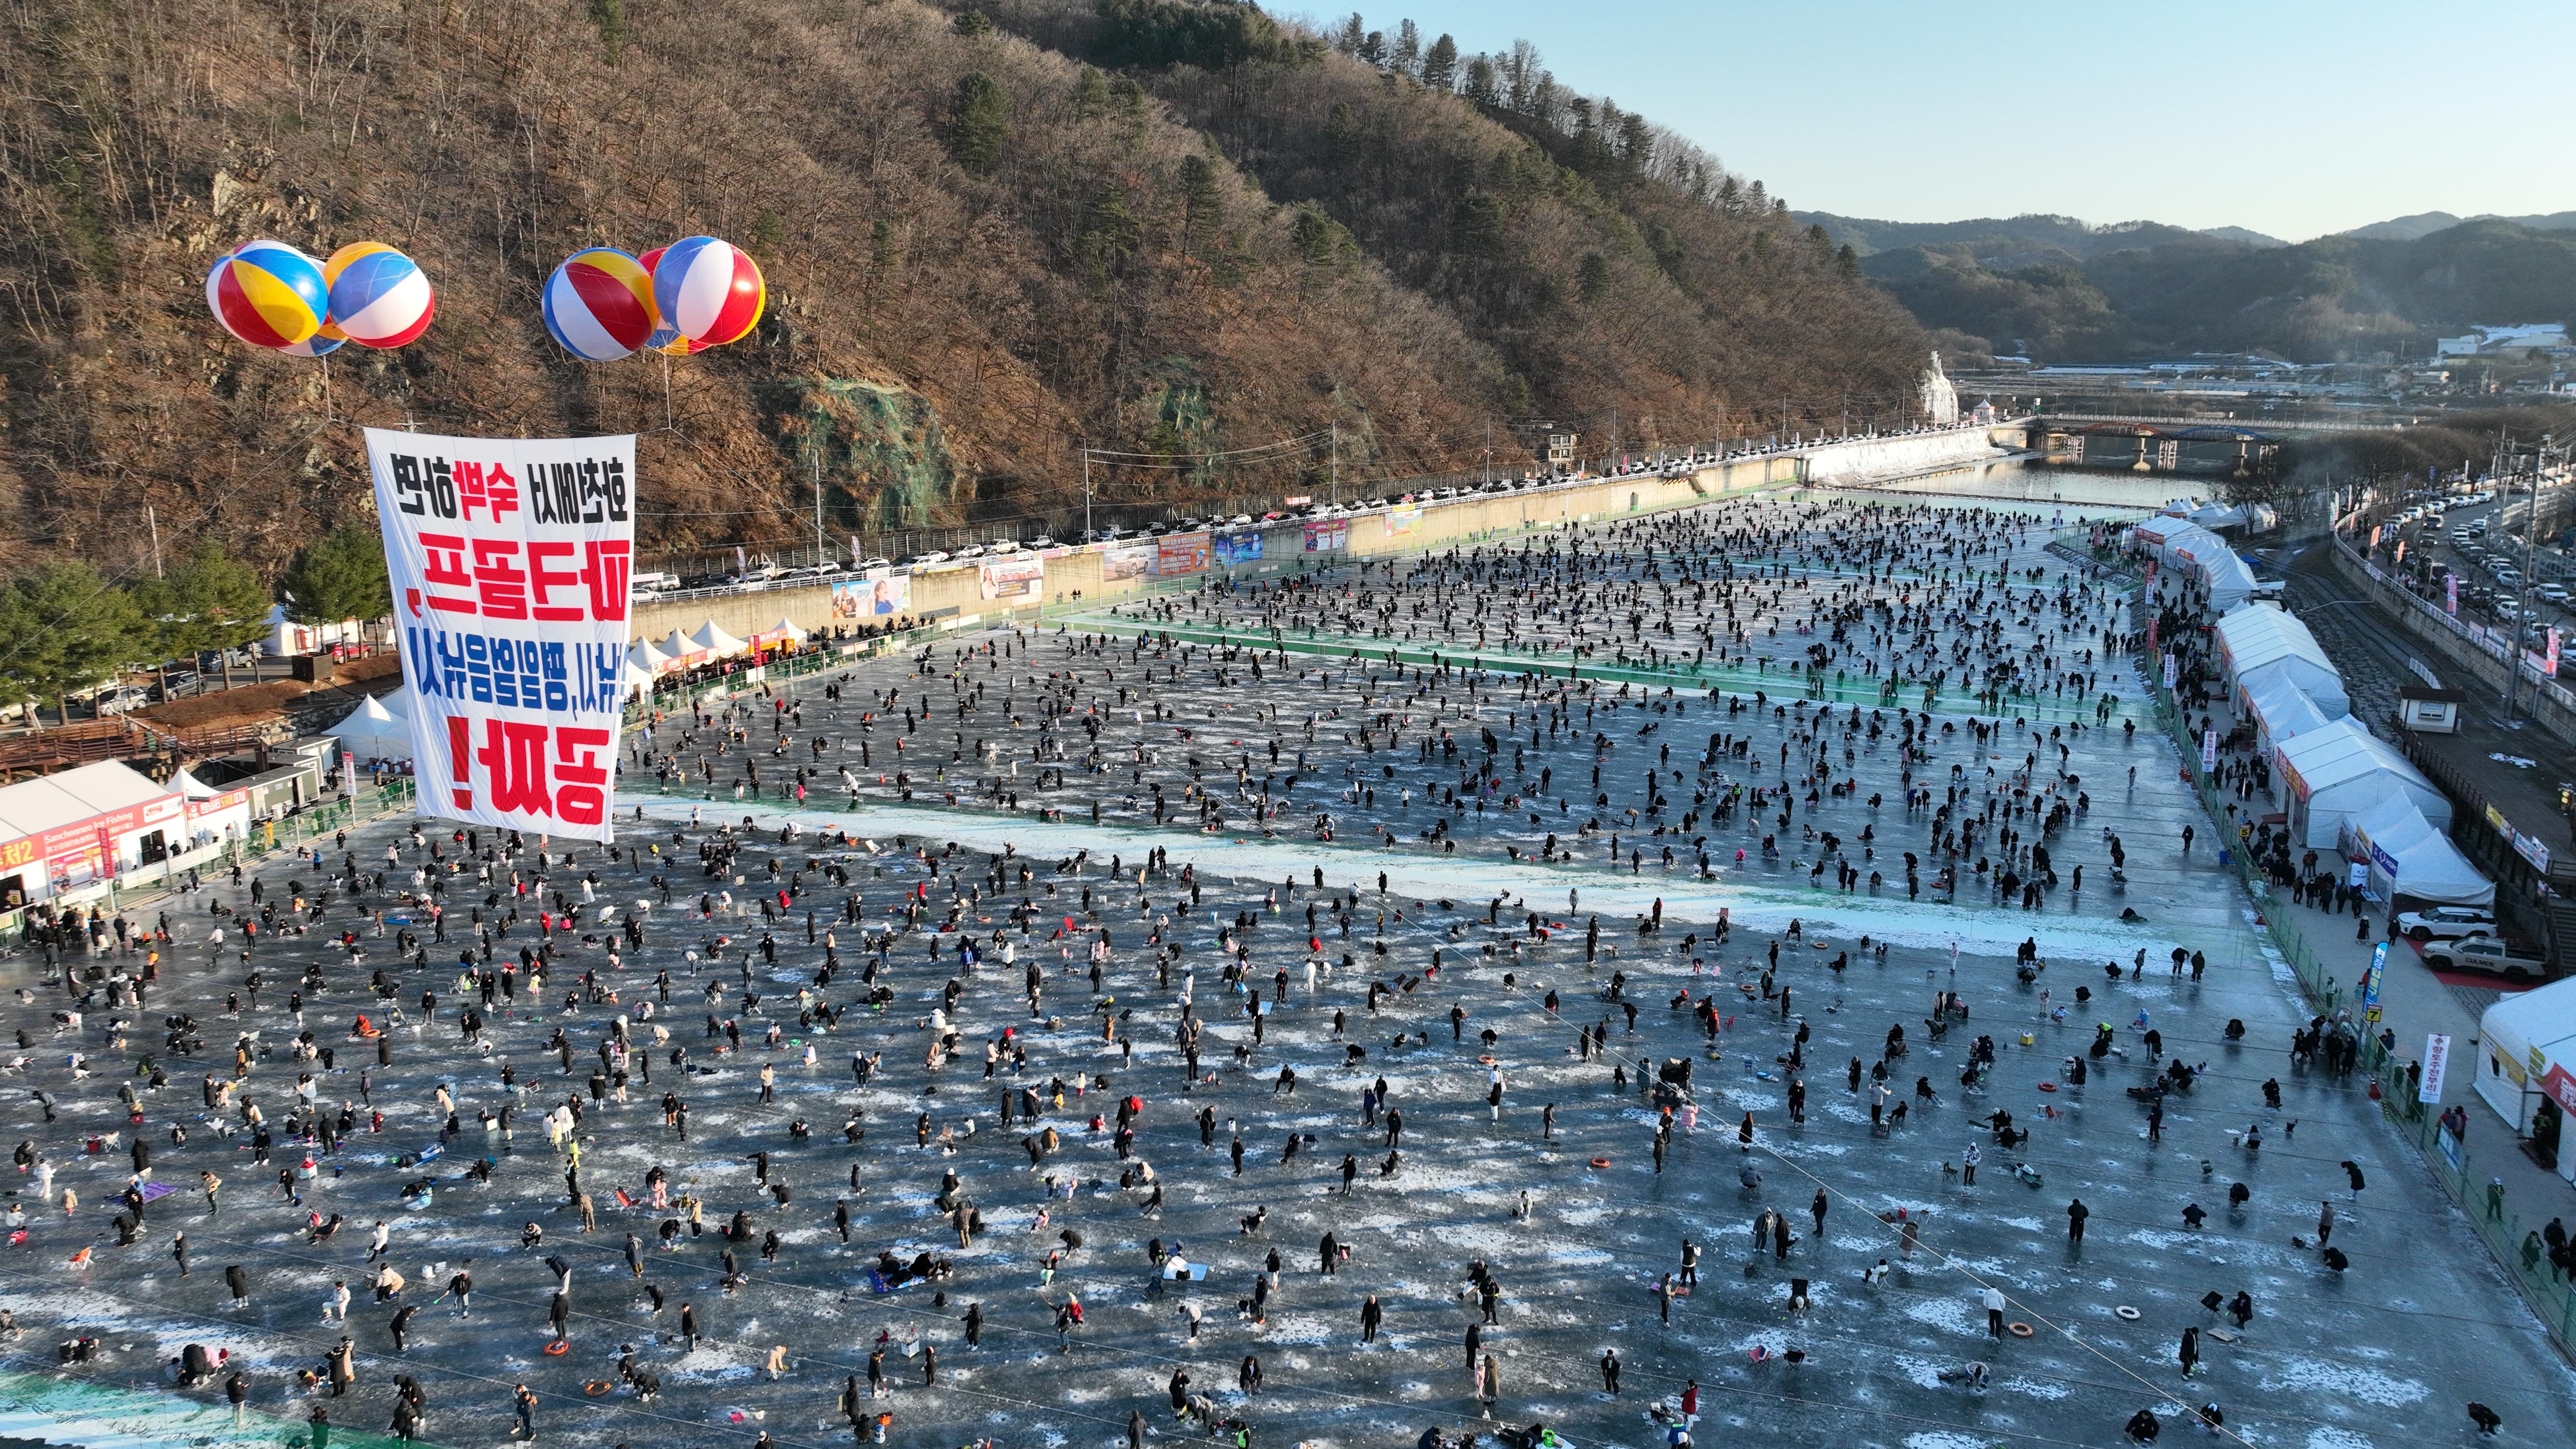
column 987, row 241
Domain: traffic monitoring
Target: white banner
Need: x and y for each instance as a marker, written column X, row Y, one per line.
column 2437, row 1061
column 510, row 560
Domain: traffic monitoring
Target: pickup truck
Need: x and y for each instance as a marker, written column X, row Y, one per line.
column 2514, row 962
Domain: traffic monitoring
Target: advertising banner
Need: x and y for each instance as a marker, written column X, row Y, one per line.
column 872, row 598
column 2437, row 1062
column 1402, row 520
column 1235, row 548
column 2208, row 750
column 509, row 560
column 1176, row 554
column 2451, row 592
column 1014, row 577
column 1126, row 561
column 1326, row 534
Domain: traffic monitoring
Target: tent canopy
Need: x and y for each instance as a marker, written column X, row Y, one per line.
column 2539, row 1022
column 2262, row 646
column 2408, row 857
column 2343, row 753
column 192, row 787
column 49, row 802
column 712, row 639
column 2323, row 688
column 2282, row 713
column 369, row 718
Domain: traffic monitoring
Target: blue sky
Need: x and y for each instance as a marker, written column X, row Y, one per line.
column 2287, row 116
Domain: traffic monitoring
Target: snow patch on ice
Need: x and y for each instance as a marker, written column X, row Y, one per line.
column 2370, row 1386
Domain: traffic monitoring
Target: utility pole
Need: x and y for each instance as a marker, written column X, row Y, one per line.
column 821, row 549
column 1086, row 492
column 154, row 523
column 1335, row 475
column 2506, row 457
column 1489, row 450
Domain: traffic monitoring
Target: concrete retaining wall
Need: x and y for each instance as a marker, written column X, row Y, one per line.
column 2458, row 656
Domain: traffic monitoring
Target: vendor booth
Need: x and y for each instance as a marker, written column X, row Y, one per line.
column 2339, row 771
column 66, row 830
column 2527, row 1068
column 2280, row 713
column 2263, row 644
column 2411, row 863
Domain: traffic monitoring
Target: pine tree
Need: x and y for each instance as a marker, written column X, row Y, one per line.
column 1440, row 65
column 340, row 575
column 1201, row 210
column 979, row 123
column 68, row 629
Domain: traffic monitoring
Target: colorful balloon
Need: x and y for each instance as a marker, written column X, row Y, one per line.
column 379, row 297
column 666, row 339
column 708, row 291
column 316, row 345
column 268, row 294
column 599, row 304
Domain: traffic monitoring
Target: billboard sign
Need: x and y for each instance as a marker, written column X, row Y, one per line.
column 509, row 560
column 1176, row 554
column 1014, row 577
column 872, row 598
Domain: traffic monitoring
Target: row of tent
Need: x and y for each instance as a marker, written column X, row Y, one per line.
column 2349, row 790
column 2198, row 554
column 380, row 727
column 708, row 644
column 2252, row 517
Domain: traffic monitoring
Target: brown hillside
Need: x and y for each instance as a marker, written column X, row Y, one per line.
column 938, row 333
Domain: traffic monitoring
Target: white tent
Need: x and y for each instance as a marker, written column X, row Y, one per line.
column 2230, row 579
column 2281, row 713
column 679, row 647
column 191, row 787
column 398, row 703
column 2409, row 858
column 371, row 731
column 2336, row 772
column 2324, row 691
column 2526, row 1061
column 786, row 629
column 712, row 639
column 642, row 655
column 2264, row 645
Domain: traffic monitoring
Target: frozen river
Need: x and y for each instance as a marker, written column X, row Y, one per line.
column 1462, row 891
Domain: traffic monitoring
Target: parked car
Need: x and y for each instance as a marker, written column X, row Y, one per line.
column 925, row 560
column 2445, row 923
column 119, row 700
column 2489, row 955
column 874, row 564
